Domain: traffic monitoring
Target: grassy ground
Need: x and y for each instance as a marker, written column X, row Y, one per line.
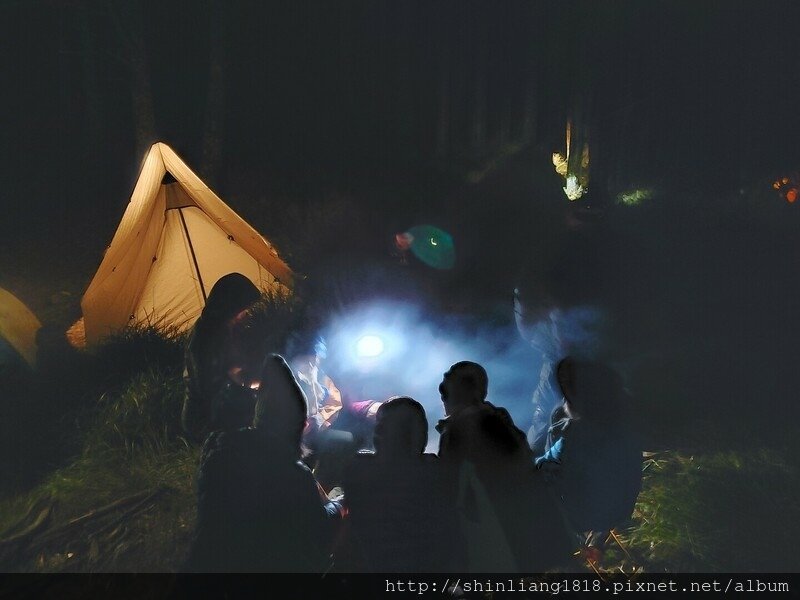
column 131, row 454
column 719, row 512
column 113, row 480
column 126, row 503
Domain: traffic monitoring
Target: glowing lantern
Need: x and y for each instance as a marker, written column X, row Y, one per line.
column 791, row 195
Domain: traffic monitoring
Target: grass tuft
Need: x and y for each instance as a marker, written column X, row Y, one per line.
column 131, row 444
column 729, row 511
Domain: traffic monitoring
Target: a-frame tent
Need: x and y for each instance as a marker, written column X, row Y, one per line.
column 18, row 327
column 175, row 240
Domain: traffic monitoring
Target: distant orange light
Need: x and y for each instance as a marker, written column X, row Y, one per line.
column 785, row 180
column 791, row 195
column 776, row 185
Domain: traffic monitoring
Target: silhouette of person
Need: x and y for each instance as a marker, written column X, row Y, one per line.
column 593, row 457
column 507, row 521
column 399, row 518
column 259, row 507
column 217, row 372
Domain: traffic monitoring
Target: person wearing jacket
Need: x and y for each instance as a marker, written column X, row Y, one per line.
column 324, row 398
column 400, row 520
column 593, row 456
column 507, row 521
column 335, row 422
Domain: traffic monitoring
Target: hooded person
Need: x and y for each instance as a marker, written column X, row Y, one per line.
column 218, row 374
column 399, row 517
column 259, row 507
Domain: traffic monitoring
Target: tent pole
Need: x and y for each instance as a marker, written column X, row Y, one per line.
column 194, row 258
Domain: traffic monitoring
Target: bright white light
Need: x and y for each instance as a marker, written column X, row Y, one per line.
column 369, row 346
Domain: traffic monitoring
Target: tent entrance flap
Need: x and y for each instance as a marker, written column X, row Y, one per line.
column 172, row 296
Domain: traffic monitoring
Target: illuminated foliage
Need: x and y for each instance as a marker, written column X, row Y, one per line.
column 635, row 197
column 573, row 189
column 576, row 173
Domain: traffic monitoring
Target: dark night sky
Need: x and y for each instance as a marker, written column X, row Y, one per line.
column 697, row 99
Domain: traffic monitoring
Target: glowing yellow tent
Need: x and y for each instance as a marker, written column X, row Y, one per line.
column 175, row 240
column 18, row 326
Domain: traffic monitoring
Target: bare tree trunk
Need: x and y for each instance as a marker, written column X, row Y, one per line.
column 506, row 117
column 480, row 88
column 214, row 126
column 143, row 112
column 92, row 100
column 346, row 64
column 529, row 120
column 443, row 117
column 506, row 103
column 405, row 95
column 141, row 86
column 531, row 74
